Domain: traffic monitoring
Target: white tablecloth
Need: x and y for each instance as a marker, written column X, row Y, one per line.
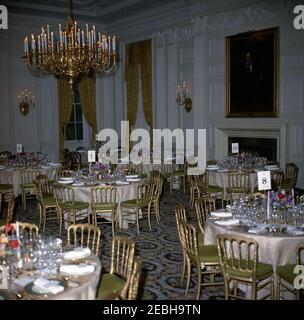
column 124, row 192
column 12, row 176
column 274, row 250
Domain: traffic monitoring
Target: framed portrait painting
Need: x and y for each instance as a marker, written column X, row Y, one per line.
column 252, row 62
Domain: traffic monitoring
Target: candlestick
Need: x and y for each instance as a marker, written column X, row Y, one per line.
column 293, row 198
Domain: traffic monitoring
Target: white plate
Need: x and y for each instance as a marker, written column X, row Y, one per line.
column 65, row 182
column 77, row 270
column 66, row 179
column 133, row 179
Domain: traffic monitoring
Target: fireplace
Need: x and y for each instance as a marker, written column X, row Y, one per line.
column 264, row 147
column 249, row 136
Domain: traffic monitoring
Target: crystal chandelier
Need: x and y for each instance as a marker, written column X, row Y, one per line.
column 72, row 53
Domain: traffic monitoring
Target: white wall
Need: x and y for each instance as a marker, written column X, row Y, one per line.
column 187, row 42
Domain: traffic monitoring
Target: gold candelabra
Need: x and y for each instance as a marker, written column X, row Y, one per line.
column 72, row 53
column 26, row 101
column 182, row 98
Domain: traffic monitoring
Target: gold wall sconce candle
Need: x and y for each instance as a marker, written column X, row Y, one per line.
column 26, row 101
column 182, row 95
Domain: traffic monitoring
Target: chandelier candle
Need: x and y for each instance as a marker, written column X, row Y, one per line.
column 71, row 52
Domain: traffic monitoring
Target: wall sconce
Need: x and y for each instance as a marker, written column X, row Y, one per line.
column 26, row 101
column 182, row 98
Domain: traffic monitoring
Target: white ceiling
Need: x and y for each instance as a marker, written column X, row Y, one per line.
column 103, row 10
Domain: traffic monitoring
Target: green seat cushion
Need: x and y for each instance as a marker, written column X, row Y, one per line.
column 179, row 173
column 5, row 186
column 207, row 254
column 78, row 205
column 27, row 186
column 286, row 272
column 263, row 271
column 105, row 206
column 109, row 284
column 214, row 189
column 49, row 200
column 133, row 203
column 237, row 190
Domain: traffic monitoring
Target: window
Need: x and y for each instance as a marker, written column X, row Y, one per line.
column 74, row 129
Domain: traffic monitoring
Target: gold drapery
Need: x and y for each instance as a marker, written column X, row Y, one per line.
column 138, row 55
column 65, row 99
column 87, row 94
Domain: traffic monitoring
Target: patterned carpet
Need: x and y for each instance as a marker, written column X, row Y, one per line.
column 159, row 249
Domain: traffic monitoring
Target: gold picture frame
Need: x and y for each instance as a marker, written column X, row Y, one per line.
column 252, row 67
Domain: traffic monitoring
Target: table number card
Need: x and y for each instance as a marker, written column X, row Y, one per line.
column 235, row 147
column 264, row 180
column 19, row 148
column 91, row 156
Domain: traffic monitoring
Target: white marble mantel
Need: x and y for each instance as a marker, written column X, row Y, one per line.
column 273, row 131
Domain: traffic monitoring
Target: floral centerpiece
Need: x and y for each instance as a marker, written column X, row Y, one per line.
column 281, row 199
column 7, row 240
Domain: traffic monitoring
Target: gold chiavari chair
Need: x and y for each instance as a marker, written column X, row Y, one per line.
column 132, row 291
column 276, row 179
column 25, row 227
column 69, row 209
column 53, row 175
column 75, row 158
column 238, row 184
column 117, row 281
column 104, row 206
column 85, row 235
column 196, row 190
column 180, row 172
column 204, row 257
column 286, row 275
column 65, row 164
column 290, row 177
column 9, row 213
column 143, row 201
column 65, row 173
column 201, row 213
column 240, row 265
column 27, row 185
column 180, row 215
column 155, row 204
column 166, row 173
column 48, row 209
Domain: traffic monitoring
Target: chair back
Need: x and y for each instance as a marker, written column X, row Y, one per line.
column 43, row 182
column 85, row 235
column 201, row 212
column 180, row 215
column 28, row 176
column 64, row 195
column 10, row 211
column 66, row 173
column 75, row 158
column 291, row 172
column 166, row 168
column 134, row 278
column 53, row 174
column 189, row 240
column 31, row 228
column 122, row 256
column 238, row 254
column 154, row 176
column 145, row 192
column 276, row 178
column 103, row 195
column 239, row 180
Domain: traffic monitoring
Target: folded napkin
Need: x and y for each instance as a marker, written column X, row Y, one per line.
column 77, row 253
column 132, row 176
column 23, row 281
column 122, row 183
column 294, row 231
column 229, row 222
column 42, row 285
column 76, row 269
column 257, row 229
column 133, row 179
column 221, row 214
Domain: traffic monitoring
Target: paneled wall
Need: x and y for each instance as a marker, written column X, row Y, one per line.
column 188, row 44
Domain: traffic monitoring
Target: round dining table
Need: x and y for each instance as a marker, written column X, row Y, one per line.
column 273, row 248
column 82, row 287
